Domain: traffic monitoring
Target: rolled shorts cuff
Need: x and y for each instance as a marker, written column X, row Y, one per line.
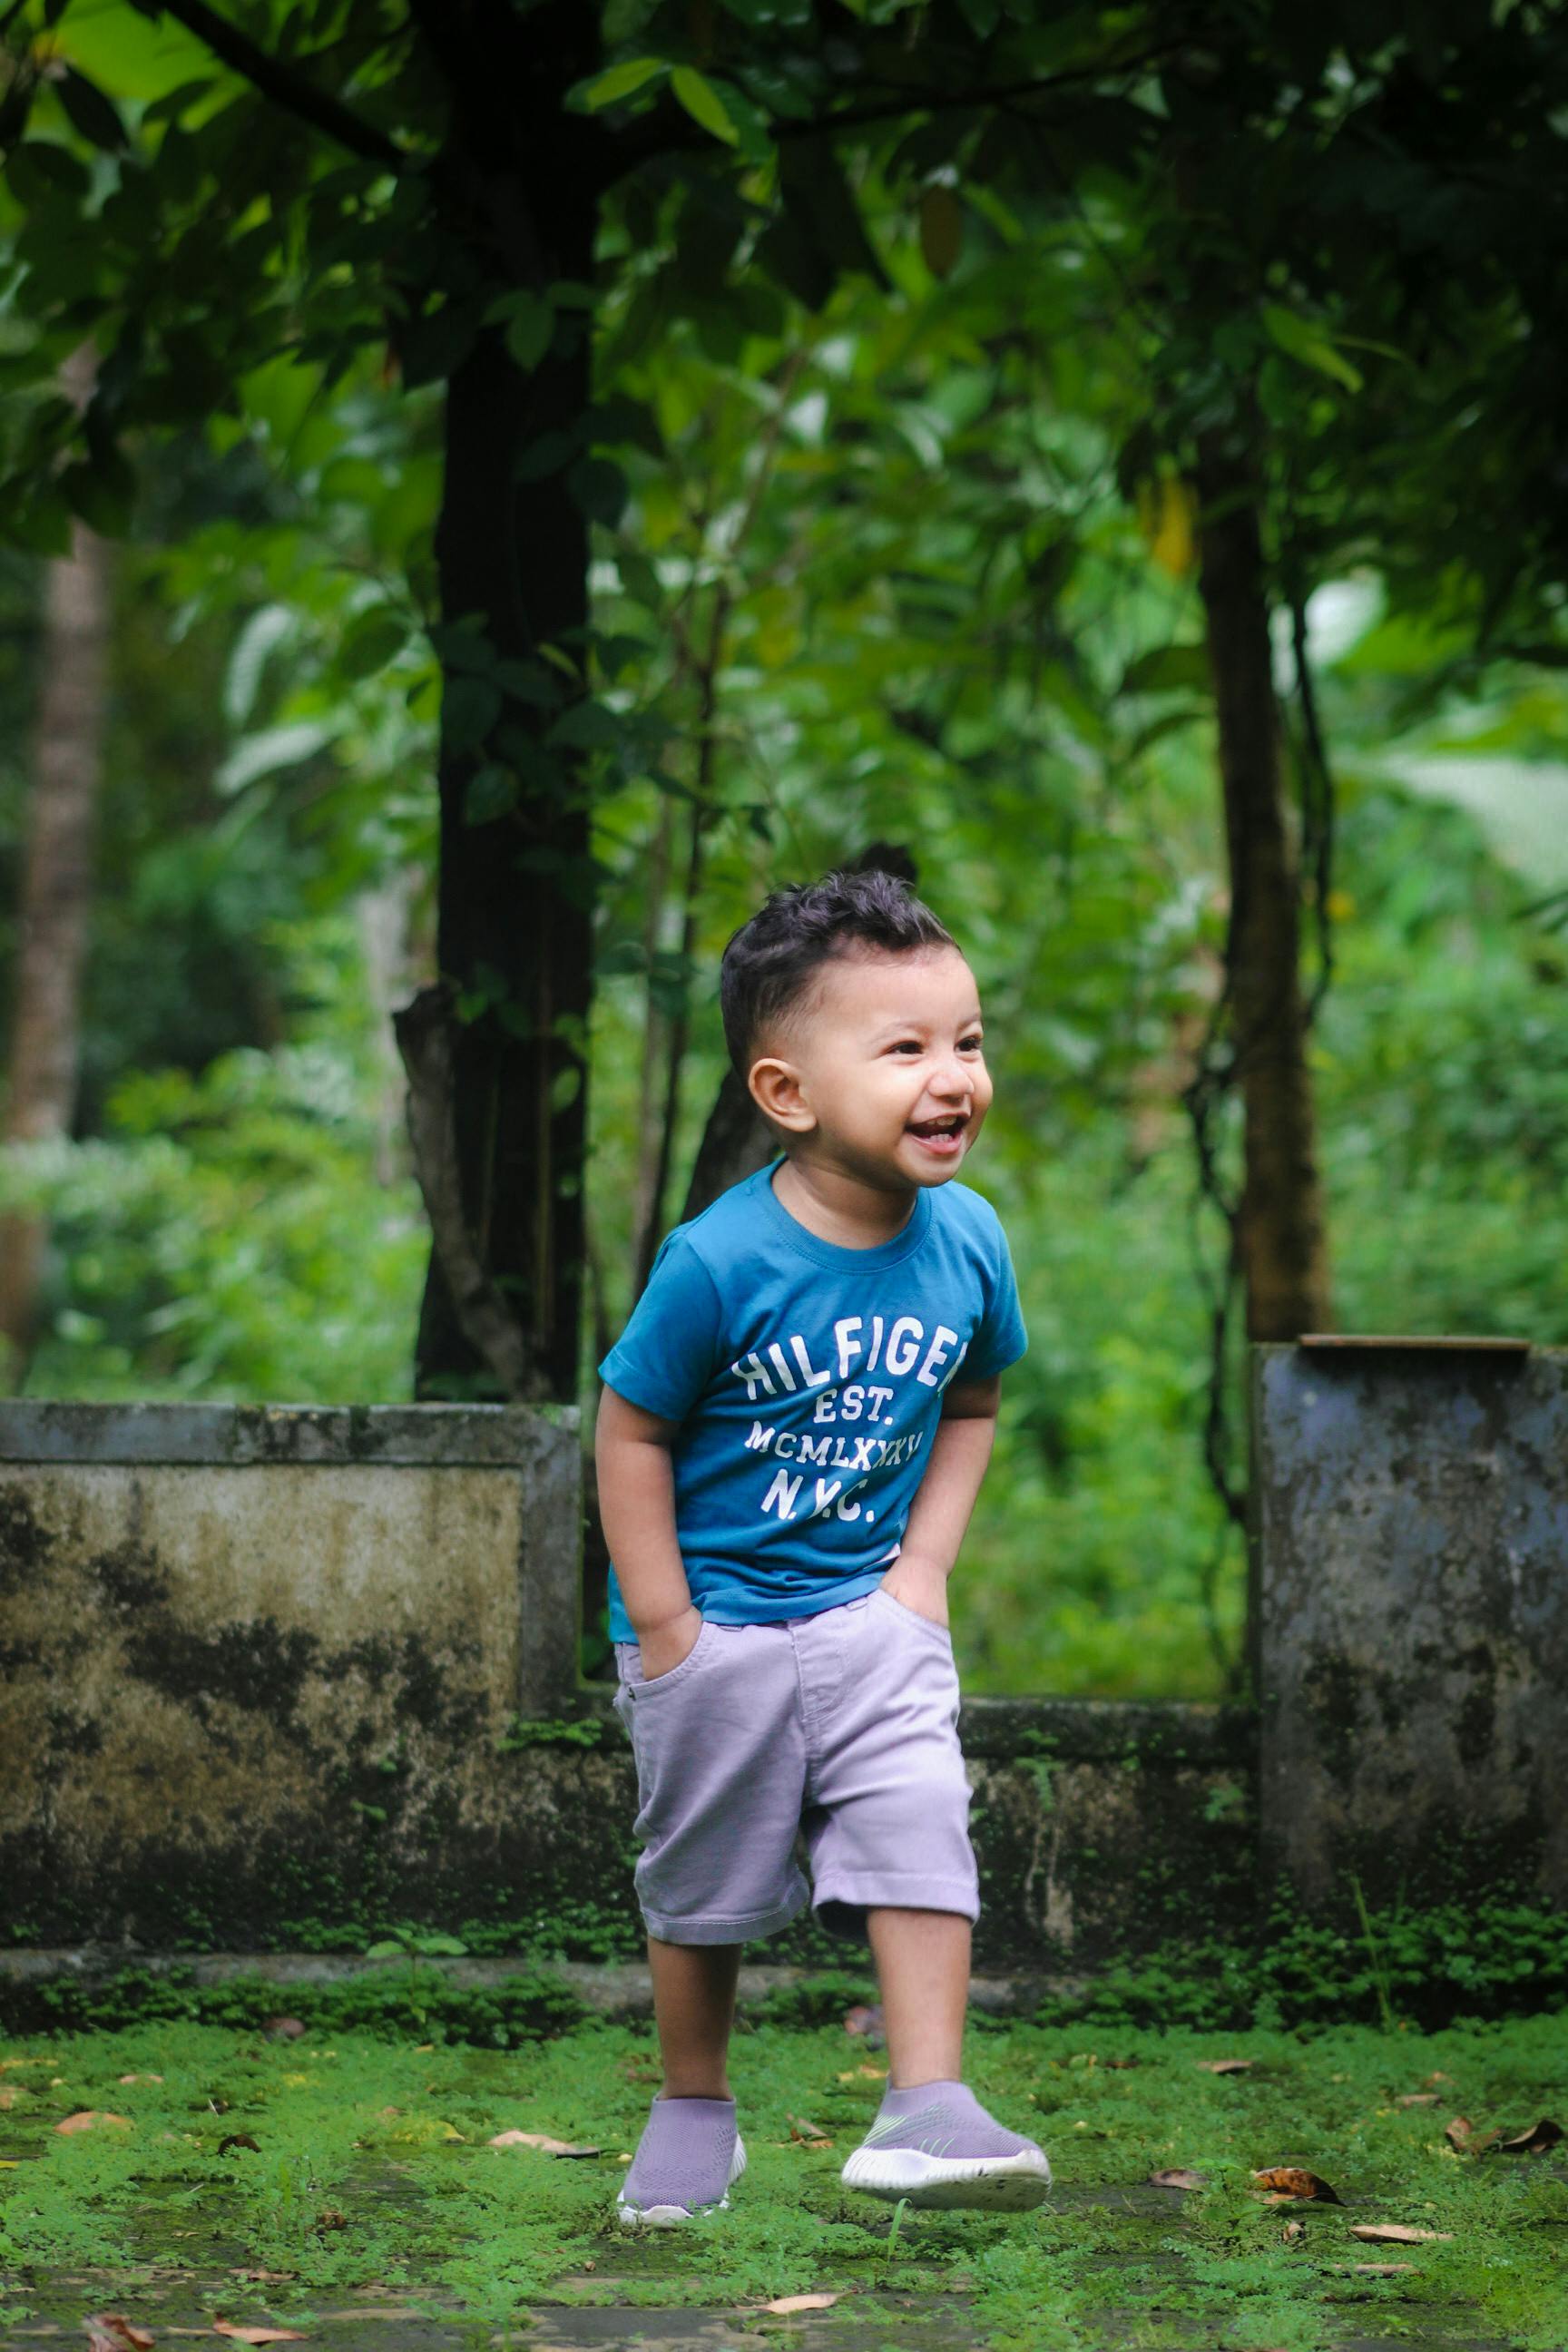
column 896, row 1890
column 672, row 1929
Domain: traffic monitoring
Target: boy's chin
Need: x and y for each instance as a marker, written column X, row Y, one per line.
column 927, row 1167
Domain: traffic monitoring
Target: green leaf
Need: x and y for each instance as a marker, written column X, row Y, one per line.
column 530, row 325
column 1302, row 341
column 942, row 230
column 90, row 112
column 1168, row 669
column 620, row 81
column 469, row 708
column 584, row 726
column 39, row 168
column 274, row 748
column 433, row 347
column 599, row 489
column 758, row 14
column 375, row 639
column 492, row 792
column 703, row 102
column 102, row 491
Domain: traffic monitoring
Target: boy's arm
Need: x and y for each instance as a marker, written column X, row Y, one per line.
column 637, row 1509
column 945, row 1497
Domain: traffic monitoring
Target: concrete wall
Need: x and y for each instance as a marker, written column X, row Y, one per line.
column 273, row 1679
column 1410, row 1564
column 254, row 1663
column 262, row 1678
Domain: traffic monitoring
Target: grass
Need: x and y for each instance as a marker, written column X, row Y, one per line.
column 371, row 2171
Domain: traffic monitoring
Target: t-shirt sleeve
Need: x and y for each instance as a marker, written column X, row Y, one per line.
column 669, row 1351
column 1001, row 1339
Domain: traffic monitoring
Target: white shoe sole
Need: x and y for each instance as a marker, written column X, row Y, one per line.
column 673, row 2217
column 987, row 2184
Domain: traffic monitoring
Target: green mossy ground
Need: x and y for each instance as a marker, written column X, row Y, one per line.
column 372, row 2186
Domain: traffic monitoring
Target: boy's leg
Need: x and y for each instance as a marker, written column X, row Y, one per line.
column 690, row 2152
column 932, row 2141
column 922, row 1968
column 891, row 1850
column 694, row 2007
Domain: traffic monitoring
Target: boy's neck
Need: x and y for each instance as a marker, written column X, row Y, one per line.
column 841, row 1208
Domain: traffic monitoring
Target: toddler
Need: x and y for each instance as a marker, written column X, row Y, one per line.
column 794, row 1427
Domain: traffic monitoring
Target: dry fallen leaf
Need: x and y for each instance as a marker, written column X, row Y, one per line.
column 1282, row 2181
column 1174, row 2178
column 282, row 2029
column 1378, row 2269
column 1293, row 2231
column 1461, row 2134
column 87, row 2119
column 331, row 2217
column 371, row 2311
column 870, row 2073
column 1395, row 2233
column 238, row 2139
column 1224, row 2065
column 802, row 2129
column 1417, row 2099
column 266, row 2277
column 541, row 2140
column 141, row 2078
column 800, row 2302
column 1130, row 2061
column 110, row 2331
column 1437, row 2076
column 259, row 2335
column 1543, row 2135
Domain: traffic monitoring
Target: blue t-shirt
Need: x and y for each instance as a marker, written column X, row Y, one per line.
column 807, row 1381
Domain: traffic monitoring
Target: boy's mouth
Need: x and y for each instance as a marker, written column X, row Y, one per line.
column 944, row 1135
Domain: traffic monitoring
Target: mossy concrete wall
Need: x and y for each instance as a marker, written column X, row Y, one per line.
column 253, row 1663
column 1410, row 1616
column 275, row 1679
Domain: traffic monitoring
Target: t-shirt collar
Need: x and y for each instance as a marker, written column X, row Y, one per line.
column 794, row 1235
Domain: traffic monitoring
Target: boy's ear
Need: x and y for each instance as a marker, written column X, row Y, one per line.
column 777, row 1090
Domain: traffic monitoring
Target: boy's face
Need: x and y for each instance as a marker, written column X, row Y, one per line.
column 878, row 1071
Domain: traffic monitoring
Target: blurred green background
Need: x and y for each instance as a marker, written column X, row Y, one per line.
column 865, row 572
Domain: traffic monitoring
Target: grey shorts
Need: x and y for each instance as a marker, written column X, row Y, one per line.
column 842, row 1726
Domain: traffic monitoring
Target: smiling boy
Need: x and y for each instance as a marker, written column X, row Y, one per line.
column 793, row 1428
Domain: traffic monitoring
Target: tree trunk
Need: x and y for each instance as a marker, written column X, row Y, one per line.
column 1280, row 1235
column 56, row 892
column 516, row 891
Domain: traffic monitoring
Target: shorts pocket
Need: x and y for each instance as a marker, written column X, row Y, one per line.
column 644, row 1690
column 902, row 1609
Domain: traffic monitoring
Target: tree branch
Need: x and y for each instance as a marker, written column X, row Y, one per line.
column 668, row 129
column 285, row 85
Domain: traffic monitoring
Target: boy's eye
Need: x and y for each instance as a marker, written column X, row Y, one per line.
column 970, row 1044
column 908, row 1045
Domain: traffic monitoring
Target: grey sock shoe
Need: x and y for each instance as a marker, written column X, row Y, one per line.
column 936, row 2145
column 688, row 2155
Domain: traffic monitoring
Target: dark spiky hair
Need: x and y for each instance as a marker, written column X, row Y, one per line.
column 771, row 959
